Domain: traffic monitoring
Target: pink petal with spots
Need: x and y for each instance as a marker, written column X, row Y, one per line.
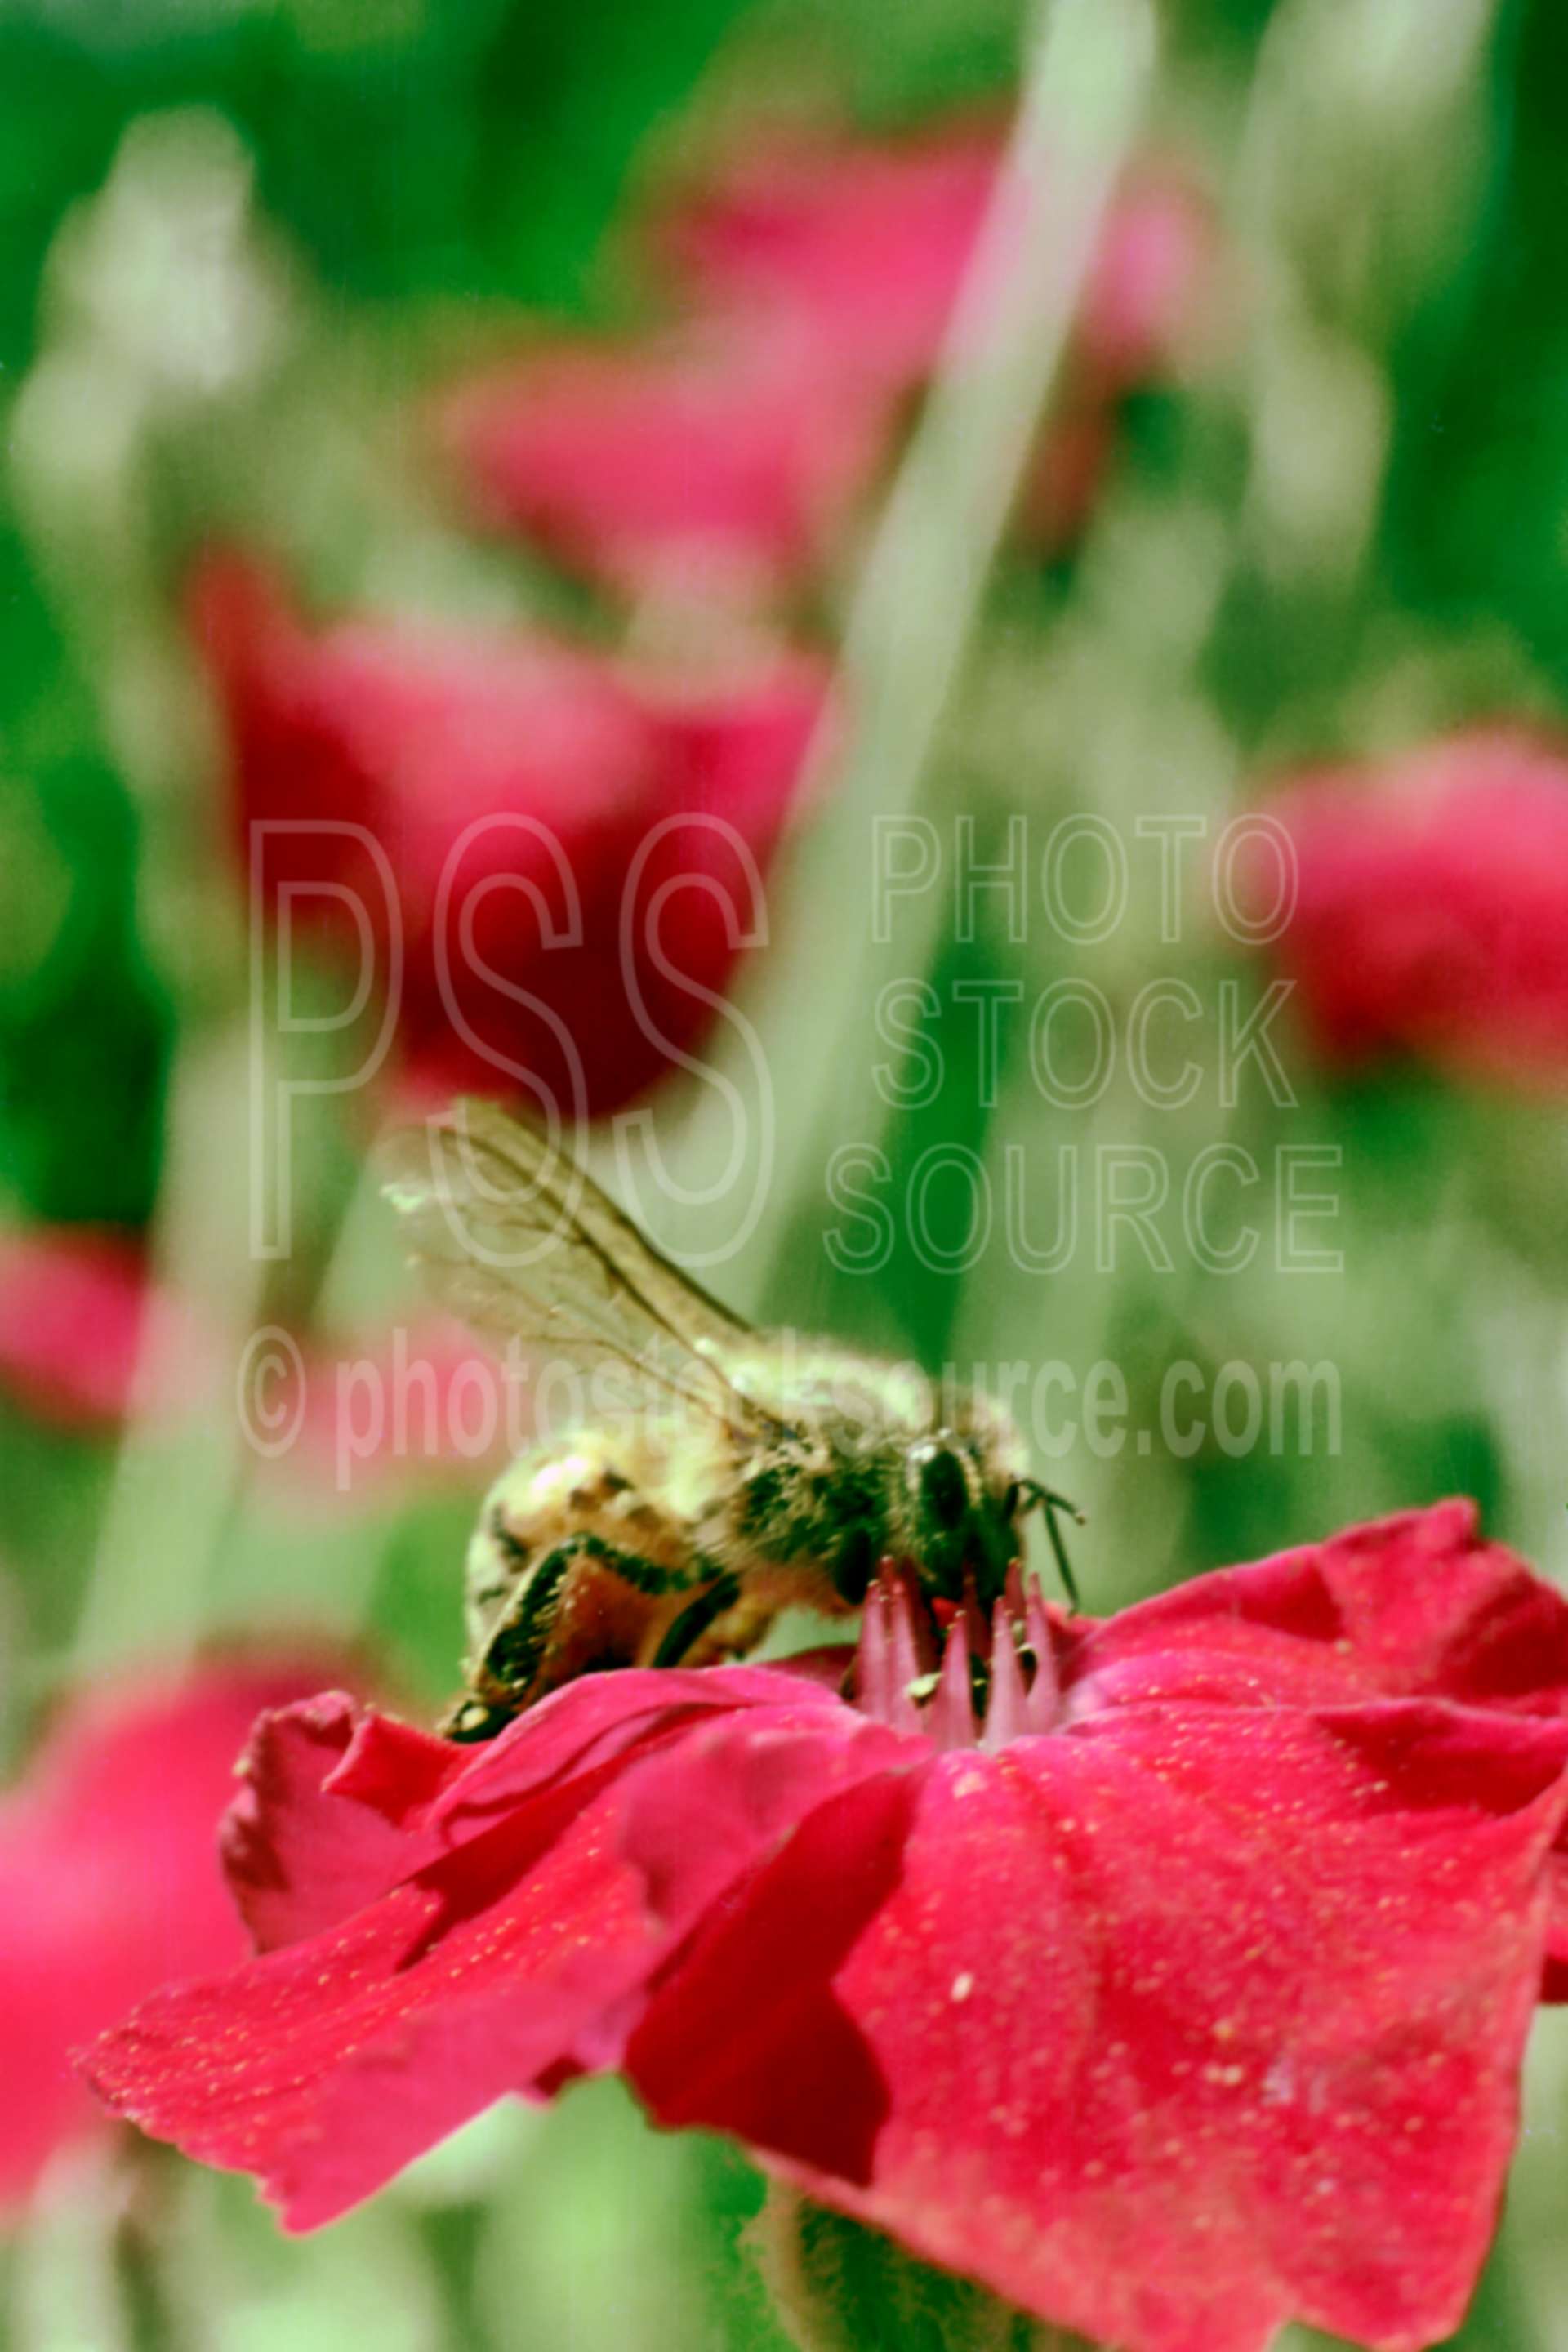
column 1168, row 2029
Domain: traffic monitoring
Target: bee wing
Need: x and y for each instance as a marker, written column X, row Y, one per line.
column 524, row 1245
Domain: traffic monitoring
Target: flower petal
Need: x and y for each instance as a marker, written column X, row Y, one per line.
column 1428, row 910
column 518, row 1920
column 735, row 456
column 108, row 1882
column 1416, row 1605
column 1169, row 2030
column 300, row 1859
column 437, row 780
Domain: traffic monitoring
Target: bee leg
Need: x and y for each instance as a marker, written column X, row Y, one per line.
column 1050, row 1503
column 695, row 1619
column 471, row 1718
column 585, row 1607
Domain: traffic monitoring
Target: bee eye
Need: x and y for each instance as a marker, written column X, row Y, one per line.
column 945, row 1490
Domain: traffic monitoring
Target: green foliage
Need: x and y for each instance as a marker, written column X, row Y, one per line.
column 1347, row 531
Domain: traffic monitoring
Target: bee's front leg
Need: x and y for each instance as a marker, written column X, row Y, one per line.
column 588, row 1604
column 689, row 1639
column 468, row 1718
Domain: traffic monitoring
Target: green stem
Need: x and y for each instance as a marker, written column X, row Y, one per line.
column 837, row 2286
column 915, row 613
column 181, row 1463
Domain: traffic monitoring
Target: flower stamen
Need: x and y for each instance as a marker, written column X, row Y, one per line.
column 1006, row 1713
column 950, row 1718
column 990, row 1688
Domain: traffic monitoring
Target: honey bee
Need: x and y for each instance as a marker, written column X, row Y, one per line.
column 722, row 1474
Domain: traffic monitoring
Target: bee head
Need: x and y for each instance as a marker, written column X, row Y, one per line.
column 958, row 1530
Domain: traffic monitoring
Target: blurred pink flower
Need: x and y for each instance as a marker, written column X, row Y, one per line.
column 724, row 463
column 73, row 1310
column 496, row 808
column 412, row 1403
column 863, row 244
column 1149, row 307
column 108, row 1883
column 860, row 244
column 78, row 1349
column 1181, row 1993
column 1431, row 905
column 823, row 272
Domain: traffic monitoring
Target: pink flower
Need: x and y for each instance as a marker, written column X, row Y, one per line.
column 1181, row 1993
column 88, row 1339
column 825, row 274
column 498, row 806
column 414, row 1402
column 1431, row 905
column 1149, row 302
column 731, row 461
column 107, row 1879
column 863, row 245
column 76, row 1305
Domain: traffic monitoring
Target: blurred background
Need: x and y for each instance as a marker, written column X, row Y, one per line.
column 959, row 654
